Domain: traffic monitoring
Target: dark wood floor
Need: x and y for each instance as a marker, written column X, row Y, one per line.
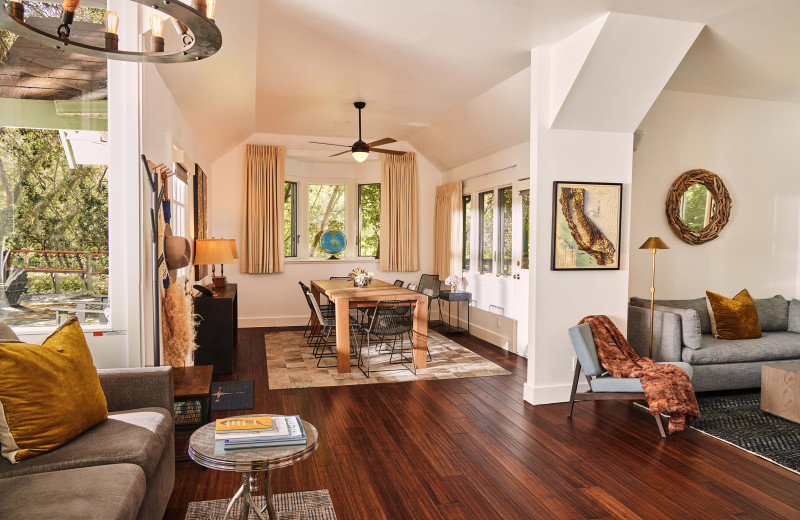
column 471, row 449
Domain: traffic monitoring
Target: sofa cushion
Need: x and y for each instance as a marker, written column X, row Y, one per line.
column 698, row 304
column 134, row 436
column 770, row 346
column 113, row 492
column 733, row 318
column 773, row 313
column 607, row 383
column 691, row 330
column 794, row 316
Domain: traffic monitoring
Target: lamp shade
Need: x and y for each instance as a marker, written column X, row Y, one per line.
column 213, row 251
column 232, row 243
column 654, row 243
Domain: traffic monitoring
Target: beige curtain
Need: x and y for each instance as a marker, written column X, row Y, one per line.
column 448, row 236
column 399, row 247
column 262, row 243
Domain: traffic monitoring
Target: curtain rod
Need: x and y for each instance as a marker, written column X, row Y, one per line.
column 489, row 172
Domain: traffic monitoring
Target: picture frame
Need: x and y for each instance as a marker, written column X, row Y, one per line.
column 587, row 226
column 200, row 199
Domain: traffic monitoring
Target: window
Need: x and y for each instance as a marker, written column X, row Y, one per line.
column 53, row 179
column 504, row 239
column 526, row 228
column 290, row 219
column 326, row 212
column 486, row 239
column 178, row 190
column 369, row 219
column 466, row 212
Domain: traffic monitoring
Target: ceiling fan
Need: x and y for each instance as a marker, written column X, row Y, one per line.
column 360, row 149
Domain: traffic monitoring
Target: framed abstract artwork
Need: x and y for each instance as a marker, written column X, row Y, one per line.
column 200, row 193
column 587, row 223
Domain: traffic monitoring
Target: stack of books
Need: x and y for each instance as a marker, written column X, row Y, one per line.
column 264, row 431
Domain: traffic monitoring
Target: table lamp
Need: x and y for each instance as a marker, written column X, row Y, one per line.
column 654, row 244
column 215, row 251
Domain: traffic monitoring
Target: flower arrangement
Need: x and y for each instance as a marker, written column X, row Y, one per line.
column 453, row 282
column 360, row 277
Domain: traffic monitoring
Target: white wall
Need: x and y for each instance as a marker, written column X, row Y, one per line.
column 487, row 289
column 275, row 299
column 753, row 146
column 163, row 125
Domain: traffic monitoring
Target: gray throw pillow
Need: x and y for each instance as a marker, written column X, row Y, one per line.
column 773, row 313
column 7, row 335
column 698, row 304
column 794, row 316
column 691, row 333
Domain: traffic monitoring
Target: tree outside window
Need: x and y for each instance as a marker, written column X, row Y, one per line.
column 369, row 219
column 326, row 212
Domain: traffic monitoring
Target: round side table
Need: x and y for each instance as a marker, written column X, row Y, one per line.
column 249, row 463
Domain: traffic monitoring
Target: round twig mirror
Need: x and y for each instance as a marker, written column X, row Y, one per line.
column 698, row 206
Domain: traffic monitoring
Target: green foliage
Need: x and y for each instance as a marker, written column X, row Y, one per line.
column 505, row 206
column 326, row 211
column 467, row 209
column 289, row 219
column 487, row 234
column 694, row 206
column 526, row 230
column 48, row 206
column 369, row 219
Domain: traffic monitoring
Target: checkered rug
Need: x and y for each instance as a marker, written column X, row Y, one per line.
column 306, row 505
column 290, row 364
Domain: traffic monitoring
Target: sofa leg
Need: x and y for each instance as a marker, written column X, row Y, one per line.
column 574, row 388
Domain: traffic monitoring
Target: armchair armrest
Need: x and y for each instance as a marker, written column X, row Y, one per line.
column 666, row 333
column 129, row 388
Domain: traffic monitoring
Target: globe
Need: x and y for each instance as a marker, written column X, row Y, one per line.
column 333, row 242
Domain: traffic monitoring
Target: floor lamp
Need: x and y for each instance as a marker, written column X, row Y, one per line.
column 654, row 244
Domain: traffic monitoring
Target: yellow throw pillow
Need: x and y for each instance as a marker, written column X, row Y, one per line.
column 49, row 393
column 735, row 318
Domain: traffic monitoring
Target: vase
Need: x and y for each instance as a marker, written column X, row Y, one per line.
column 365, row 284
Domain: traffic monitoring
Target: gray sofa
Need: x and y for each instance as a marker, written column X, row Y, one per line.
column 682, row 332
column 123, row 468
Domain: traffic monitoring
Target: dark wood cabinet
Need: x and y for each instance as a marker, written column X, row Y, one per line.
column 217, row 329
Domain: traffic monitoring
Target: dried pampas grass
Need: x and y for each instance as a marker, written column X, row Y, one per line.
column 178, row 325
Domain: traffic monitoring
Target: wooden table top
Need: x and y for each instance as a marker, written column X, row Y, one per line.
column 377, row 290
column 192, row 381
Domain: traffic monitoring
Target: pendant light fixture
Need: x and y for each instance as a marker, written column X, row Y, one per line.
column 200, row 36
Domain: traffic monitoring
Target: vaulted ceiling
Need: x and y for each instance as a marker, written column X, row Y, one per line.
column 296, row 66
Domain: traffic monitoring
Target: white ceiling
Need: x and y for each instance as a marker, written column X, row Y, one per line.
column 296, row 66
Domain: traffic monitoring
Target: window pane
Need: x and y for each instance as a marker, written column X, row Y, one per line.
column 369, row 219
column 290, row 219
column 505, row 233
column 526, row 229
column 53, row 178
column 486, row 201
column 326, row 212
column 467, row 214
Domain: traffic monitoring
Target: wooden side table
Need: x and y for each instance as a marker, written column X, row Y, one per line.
column 217, row 329
column 456, row 297
column 780, row 390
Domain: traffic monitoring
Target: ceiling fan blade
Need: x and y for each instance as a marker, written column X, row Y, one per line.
column 390, row 152
column 330, row 144
column 385, row 140
column 340, row 153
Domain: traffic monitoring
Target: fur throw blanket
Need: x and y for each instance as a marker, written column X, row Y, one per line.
column 666, row 387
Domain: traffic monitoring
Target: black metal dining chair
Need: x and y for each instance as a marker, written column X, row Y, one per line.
column 430, row 285
column 388, row 325
column 327, row 309
column 322, row 340
column 399, row 283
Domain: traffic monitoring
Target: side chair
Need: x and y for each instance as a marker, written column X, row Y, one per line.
column 602, row 385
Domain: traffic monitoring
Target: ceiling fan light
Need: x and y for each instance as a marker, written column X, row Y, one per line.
column 360, row 151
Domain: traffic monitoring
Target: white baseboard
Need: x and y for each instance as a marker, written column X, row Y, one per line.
column 550, row 394
column 273, row 321
column 485, row 334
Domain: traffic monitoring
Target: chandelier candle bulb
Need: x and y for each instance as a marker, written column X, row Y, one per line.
column 210, row 6
column 112, row 22
column 157, row 27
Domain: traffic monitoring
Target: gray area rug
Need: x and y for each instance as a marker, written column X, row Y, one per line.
column 305, row 505
column 737, row 419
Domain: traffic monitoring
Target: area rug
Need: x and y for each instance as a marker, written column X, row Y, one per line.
column 306, row 505
column 231, row 395
column 737, row 419
column 290, row 364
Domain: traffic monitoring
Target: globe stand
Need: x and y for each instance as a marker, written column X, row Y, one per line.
column 333, row 257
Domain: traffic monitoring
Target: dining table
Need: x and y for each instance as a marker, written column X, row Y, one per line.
column 345, row 296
